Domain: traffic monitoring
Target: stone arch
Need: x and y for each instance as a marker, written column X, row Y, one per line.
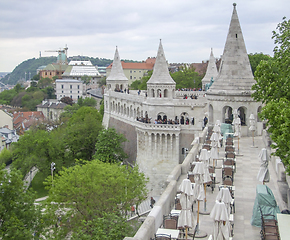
column 242, row 115
column 210, row 114
column 109, row 86
column 134, row 116
column 121, row 87
column 227, row 114
column 162, row 116
column 119, row 108
column 131, row 111
column 159, row 93
column 122, row 109
column 138, row 112
column 165, row 93
column 117, row 87
column 184, row 117
column 152, row 93
column 259, row 111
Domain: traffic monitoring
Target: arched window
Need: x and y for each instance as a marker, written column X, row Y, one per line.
column 242, row 115
column 166, row 93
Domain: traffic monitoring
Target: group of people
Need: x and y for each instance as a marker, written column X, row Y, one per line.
column 191, row 96
column 143, row 119
column 121, row 91
column 165, row 121
column 189, row 89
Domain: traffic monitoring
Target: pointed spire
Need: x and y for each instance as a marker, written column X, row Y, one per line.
column 117, row 72
column 160, row 71
column 211, row 71
column 235, row 72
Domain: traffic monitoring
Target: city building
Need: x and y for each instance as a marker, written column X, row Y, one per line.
column 135, row 70
column 51, row 109
column 69, row 88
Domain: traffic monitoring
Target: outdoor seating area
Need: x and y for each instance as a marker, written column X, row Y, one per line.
column 236, row 200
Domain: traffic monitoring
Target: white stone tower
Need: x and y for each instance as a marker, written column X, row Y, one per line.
column 232, row 87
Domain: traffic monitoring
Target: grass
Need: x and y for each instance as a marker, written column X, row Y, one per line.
column 37, row 185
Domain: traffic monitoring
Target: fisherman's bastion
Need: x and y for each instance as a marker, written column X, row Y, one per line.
column 157, row 148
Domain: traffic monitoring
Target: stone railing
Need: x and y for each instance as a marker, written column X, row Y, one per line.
column 166, row 201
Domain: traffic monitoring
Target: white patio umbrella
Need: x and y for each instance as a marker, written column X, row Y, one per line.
column 204, row 157
column 219, row 214
column 252, row 127
column 215, row 144
column 263, row 174
column 185, row 219
column 201, row 175
column 224, row 196
column 237, row 127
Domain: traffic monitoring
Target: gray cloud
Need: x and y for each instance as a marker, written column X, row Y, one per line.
column 188, row 28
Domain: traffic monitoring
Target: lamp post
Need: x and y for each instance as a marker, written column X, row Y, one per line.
column 52, row 168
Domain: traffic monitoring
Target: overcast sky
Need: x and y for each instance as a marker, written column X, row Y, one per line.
column 188, row 28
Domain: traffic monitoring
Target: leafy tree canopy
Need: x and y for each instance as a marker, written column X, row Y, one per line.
column 82, row 131
column 20, row 218
column 272, row 88
column 109, row 146
column 256, row 58
column 95, row 193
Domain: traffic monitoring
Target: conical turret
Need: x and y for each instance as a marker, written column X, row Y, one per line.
column 235, row 74
column 160, row 71
column 117, row 79
column 161, row 85
column 211, row 71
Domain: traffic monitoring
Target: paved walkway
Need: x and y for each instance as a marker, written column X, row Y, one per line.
column 245, row 181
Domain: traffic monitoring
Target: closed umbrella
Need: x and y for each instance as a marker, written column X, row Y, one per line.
column 224, row 196
column 219, row 214
column 215, row 144
column 263, row 174
column 185, row 219
column 200, row 177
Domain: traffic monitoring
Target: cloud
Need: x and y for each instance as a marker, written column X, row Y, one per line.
column 188, row 29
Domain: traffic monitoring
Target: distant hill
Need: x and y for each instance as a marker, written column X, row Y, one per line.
column 31, row 65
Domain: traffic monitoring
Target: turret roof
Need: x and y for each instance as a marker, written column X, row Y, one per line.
column 235, row 73
column 117, row 73
column 160, row 71
column 211, row 71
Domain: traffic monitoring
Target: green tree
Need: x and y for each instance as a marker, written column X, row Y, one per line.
column 45, row 82
column 141, row 84
column 95, row 193
column 67, row 100
column 7, row 96
column 5, row 156
column 39, row 148
column 89, row 102
column 272, row 88
column 109, row 146
column 256, row 58
column 20, row 218
column 186, row 78
column 82, row 132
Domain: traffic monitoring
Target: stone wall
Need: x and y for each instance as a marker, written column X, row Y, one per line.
column 129, row 132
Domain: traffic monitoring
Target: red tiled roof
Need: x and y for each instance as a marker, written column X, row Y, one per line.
column 27, row 118
column 138, row 65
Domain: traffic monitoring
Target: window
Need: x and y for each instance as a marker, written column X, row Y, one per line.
column 78, row 91
column 61, row 86
column 71, row 96
column 70, row 91
column 61, row 91
column 134, row 71
column 139, row 71
column 130, row 71
column 78, row 86
column 70, row 86
column 130, row 77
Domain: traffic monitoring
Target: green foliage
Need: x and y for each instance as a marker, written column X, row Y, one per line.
column 5, row 156
column 89, row 102
column 20, row 218
column 30, row 65
column 102, row 82
column 38, row 186
column 187, row 78
column 39, row 148
column 109, row 146
column 82, row 132
column 45, row 82
column 95, row 194
column 7, row 96
column 102, row 108
column 256, row 58
column 273, row 89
